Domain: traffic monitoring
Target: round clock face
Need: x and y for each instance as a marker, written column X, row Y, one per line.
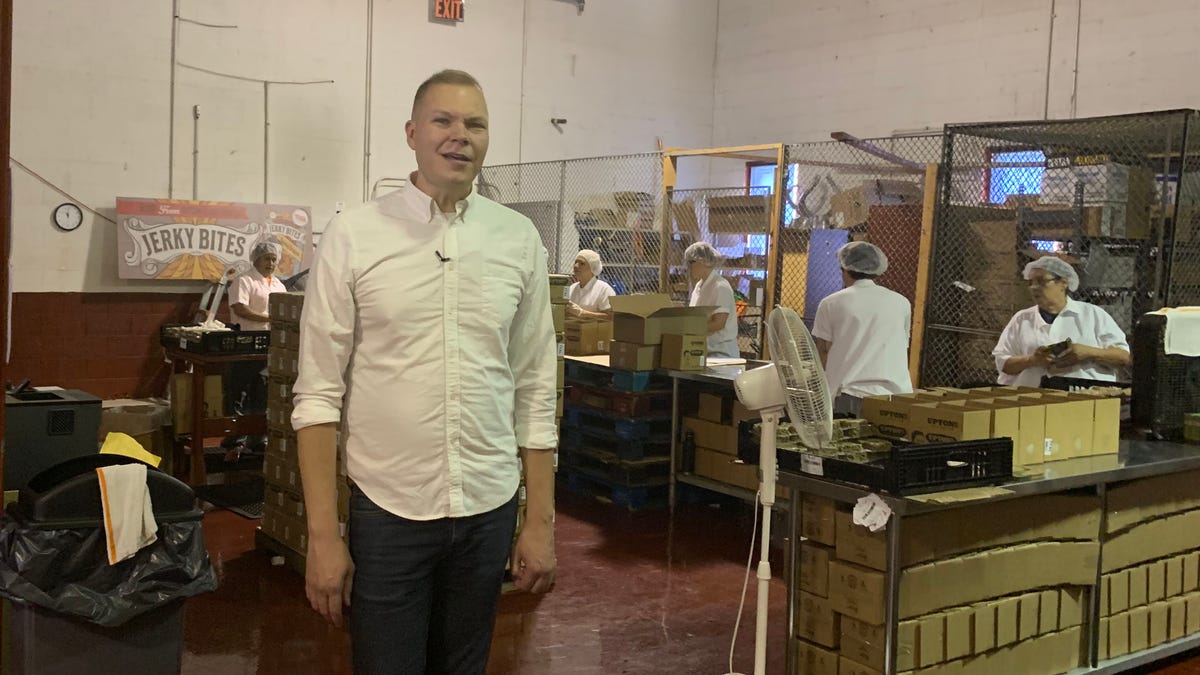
column 68, row 217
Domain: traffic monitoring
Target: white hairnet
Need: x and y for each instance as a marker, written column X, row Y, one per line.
column 702, row 251
column 265, row 247
column 1055, row 266
column 592, row 259
column 861, row 257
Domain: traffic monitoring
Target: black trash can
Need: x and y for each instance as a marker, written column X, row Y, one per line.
column 72, row 612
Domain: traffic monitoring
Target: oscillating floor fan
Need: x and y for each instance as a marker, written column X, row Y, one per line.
column 794, row 381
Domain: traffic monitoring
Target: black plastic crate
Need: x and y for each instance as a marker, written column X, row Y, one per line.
column 217, row 342
column 913, row 469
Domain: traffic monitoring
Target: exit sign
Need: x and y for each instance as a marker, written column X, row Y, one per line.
column 448, row 10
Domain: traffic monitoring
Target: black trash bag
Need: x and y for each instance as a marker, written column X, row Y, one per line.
column 67, row 570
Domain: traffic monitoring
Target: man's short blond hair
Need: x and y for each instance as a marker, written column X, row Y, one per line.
column 448, row 76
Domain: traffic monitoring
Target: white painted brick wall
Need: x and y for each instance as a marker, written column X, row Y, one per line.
column 92, row 116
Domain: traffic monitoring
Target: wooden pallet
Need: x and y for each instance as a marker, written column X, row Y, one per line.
column 623, row 403
column 627, row 449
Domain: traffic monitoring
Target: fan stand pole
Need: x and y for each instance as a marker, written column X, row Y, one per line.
column 766, row 467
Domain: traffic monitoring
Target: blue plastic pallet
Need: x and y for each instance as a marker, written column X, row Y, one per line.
column 626, row 428
column 632, row 498
column 626, row 449
column 591, row 374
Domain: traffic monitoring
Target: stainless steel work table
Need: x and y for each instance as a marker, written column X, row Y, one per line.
column 1136, row 459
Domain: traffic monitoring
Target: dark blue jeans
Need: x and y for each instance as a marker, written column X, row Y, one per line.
column 425, row 591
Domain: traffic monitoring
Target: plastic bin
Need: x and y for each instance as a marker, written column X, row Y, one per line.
column 72, row 612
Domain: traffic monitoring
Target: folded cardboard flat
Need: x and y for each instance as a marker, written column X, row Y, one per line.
column 643, row 319
column 994, row 573
column 1152, row 540
column 1148, row 498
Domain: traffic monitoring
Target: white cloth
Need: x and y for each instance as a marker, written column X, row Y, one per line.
column 715, row 291
column 1083, row 322
column 592, row 296
column 128, row 514
column 446, row 367
column 867, row 328
column 1182, row 333
column 253, row 290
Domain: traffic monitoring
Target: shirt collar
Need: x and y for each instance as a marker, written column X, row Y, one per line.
column 591, row 282
column 424, row 206
column 863, row 282
column 1072, row 307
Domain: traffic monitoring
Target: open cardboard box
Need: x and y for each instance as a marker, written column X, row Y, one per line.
column 643, row 319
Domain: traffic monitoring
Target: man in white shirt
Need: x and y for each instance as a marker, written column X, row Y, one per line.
column 589, row 294
column 427, row 332
column 1024, row 355
column 249, row 299
column 713, row 290
column 862, row 332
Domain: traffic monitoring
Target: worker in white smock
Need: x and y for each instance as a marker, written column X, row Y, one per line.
column 710, row 289
column 589, row 294
column 248, row 300
column 862, row 332
column 1034, row 343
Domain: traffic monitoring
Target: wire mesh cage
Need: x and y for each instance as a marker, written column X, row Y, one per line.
column 611, row 205
column 851, row 190
column 1114, row 196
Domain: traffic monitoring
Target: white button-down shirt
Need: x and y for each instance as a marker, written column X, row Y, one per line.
column 867, row 327
column 592, row 296
column 1083, row 322
column 715, row 291
column 446, row 367
column 254, row 291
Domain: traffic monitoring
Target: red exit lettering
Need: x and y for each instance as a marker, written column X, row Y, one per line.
column 451, row 10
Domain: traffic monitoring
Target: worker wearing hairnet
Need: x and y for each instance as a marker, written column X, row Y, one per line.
column 710, row 289
column 248, row 298
column 589, row 294
column 862, row 332
column 1035, row 341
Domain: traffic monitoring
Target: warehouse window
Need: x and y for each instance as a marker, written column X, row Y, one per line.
column 1014, row 173
column 763, row 176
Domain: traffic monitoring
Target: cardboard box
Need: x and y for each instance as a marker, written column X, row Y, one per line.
column 144, row 420
column 586, row 337
column 811, row 658
column 1191, row 571
column 1106, row 427
column 181, row 400
column 643, row 319
column 814, row 568
column 629, row 356
column 988, row 574
column 719, row 437
column 1118, row 635
column 1118, row 591
column 892, row 415
column 858, row 544
column 850, row 667
column 1029, row 615
column 1156, row 579
column 853, row 207
column 983, row 616
column 1139, row 629
column 1160, row 615
column 818, row 520
column 748, row 214
column 558, row 312
column 714, row 408
column 1139, row 586
column 857, row 591
column 1192, row 613
column 931, row 635
column 1177, row 610
column 944, row 422
column 1048, row 613
column 286, row 307
column 684, row 352
column 1102, row 639
column 816, row 620
column 958, row 633
column 560, row 288
column 863, row 643
column 1008, row 612
column 950, row 532
column 1069, row 425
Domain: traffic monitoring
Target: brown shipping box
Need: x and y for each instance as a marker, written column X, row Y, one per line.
column 817, row 621
column 814, row 660
column 853, row 207
column 858, row 544
column 643, row 319
column 850, row 667
column 720, row 437
column 944, row 422
column 684, row 352
column 714, row 408
column 585, row 338
column 181, row 400
column 818, row 520
column 630, row 356
column 813, row 575
column 863, row 643
column 857, row 591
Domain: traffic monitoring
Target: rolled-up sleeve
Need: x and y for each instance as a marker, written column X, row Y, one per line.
column 533, row 358
column 326, row 331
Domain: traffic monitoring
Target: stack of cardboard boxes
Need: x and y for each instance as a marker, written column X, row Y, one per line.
column 1150, row 588
column 650, row 332
column 587, row 337
column 1116, row 197
column 284, row 518
column 714, row 430
column 1045, row 424
column 990, row 589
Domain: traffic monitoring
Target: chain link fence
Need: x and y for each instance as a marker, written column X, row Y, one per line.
column 853, row 190
column 1113, row 196
column 609, row 204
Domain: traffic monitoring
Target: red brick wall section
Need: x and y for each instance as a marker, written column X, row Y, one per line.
column 103, row 343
